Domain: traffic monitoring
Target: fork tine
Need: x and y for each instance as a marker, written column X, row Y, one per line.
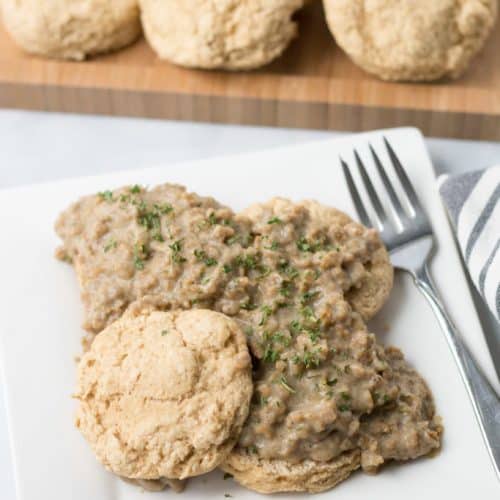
column 403, row 177
column 372, row 194
column 356, row 198
column 396, row 203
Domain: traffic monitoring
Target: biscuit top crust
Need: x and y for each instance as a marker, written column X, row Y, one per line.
column 164, row 394
column 411, row 40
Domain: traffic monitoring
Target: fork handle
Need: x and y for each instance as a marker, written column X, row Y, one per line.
column 485, row 400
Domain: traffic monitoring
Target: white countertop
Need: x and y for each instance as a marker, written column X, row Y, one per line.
column 40, row 147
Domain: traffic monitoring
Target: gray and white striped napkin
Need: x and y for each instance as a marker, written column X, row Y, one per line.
column 473, row 204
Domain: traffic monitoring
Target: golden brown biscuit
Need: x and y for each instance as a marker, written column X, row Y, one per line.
column 71, row 29
column 229, row 34
column 164, row 394
column 411, row 40
column 275, row 476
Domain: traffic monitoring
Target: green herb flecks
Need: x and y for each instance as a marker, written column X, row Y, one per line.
column 275, row 220
column 202, row 256
column 141, row 253
column 310, row 359
column 305, row 245
column 286, row 288
column 112, row 243
column 345, row 396
column 266, row 312
column 273, row 246
column 270, row 354
column 106, row 195
column 176, row 248
column 248, row 306
column 135, row 189
column 164, row 332
column 233, row 239
column 308, row 296
column 150, row 218
column 285, row 268
column 248, row 262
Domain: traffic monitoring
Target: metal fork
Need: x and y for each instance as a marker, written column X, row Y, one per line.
column 411, row 248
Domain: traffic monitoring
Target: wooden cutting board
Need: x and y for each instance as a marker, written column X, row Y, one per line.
column 314, row 85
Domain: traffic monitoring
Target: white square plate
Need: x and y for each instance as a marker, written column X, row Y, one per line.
column 40, row 314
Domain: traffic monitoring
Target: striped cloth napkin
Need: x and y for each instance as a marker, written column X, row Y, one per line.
column 473, row 204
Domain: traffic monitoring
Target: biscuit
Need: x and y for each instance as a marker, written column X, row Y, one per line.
column 274, row 476
column 402, row 427
column 411, row 40
column 164, row 394
column 71, row 29
column 364, row 270
column 228, row 34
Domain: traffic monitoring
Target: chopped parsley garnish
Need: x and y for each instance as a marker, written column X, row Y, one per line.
column 304, row 245
column 263, row 400
column 106, row 195
column 176, row 248
column 248, row 306
column 264, row 271
column 284, row 383
column 270, row 355
column 233, row 239
column 135, row 189
column 295, row 327
column 345, row 396
column 278, row 337
column 202, row 256
column 285, row 288
column 141, row 253
column 252, row 449
column 163, row 208
column 212, row 219
column 285, row 268
column 227, row 268
column 273, row 246
column 307, row 312
column 266, row 312
column 307, row 297
column 309, row 359
column 151, row 219
column 112, row 243
column 248, row 262
column 344, row 407
column 313, row 334
column 275, row 220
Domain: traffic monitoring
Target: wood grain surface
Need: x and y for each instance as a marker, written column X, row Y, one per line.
column 314, row 85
